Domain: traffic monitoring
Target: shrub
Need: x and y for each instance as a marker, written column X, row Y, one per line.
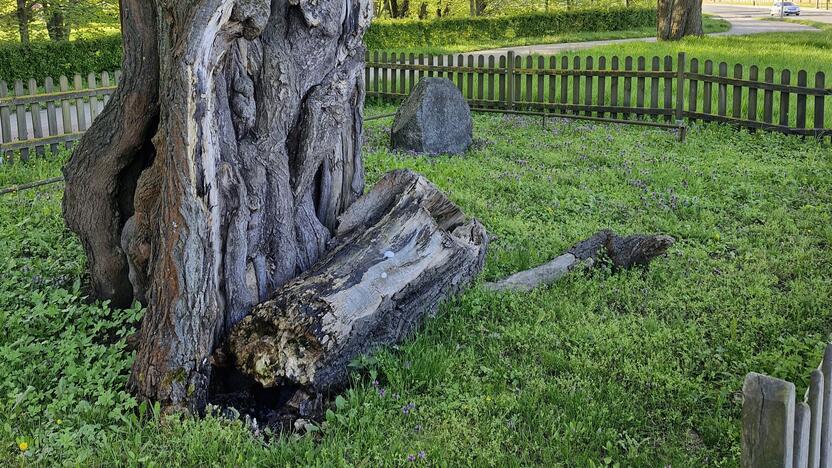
column 42, row 59
column 404, row 34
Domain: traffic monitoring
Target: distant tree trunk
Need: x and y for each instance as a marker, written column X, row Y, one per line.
column 23, row 15
column 472, row 6
column 423, row 11
column 57, row 26
column 218, row 169
column 679, row 18
column 399, row 10
column 481, row 5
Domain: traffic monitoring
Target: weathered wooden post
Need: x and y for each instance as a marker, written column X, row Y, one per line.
column 816, row 406
column 826, row 417
column 802, row 419
column 768, row 422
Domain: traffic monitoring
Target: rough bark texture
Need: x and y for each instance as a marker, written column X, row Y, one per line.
column 398, row 252
column 679, row 18
column 623, row 252
column 257, row 109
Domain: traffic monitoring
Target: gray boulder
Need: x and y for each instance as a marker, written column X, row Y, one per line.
column 434, row 119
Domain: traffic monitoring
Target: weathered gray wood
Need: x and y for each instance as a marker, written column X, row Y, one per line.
column 800, row 116
column 826, row 417
column 785, row 78
column 623, row 252
column 5, row 121
column 37, row 124
column 398, row 252
column 802, row 420
column 628, row 85
column 588, row 85
column 737, row 93
column 722, row 91
column 576, row 85
column 66, row 116
column 820, row 83
column 51, row 115
column 815, row 399
column 753, row 75
column 614, row 86
column 640, row 82
column 602, row 84
column 768, row 96
column 22, row 125
column 80, row 112
column 668, row 86
column 92, row 85
column 681, row 63
column 767, row 422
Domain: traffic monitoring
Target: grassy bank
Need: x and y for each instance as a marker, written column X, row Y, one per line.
column 640, row 368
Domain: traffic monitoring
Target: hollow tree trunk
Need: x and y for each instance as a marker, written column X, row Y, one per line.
column 256, row 151
column 679, row 18
column 398, row 252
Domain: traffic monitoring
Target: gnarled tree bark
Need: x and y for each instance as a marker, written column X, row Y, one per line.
column 219, row 168
column 679, row 18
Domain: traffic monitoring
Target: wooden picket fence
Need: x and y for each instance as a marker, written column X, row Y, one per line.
column 778, row 430
column 656, row 91
column 47, row 114
column 618, row 89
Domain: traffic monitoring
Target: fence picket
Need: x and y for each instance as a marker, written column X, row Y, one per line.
column 819, row 122
column 440, row 62
column 37, row 123
column 5, row 120
column 51, row 116
column 491, row 72
column 614, row 86
column 91, row 84
column 470, row 78
column 402, row 74
column 737, row 92
column 753, row 72
column 668, row 88
column 383, row 69
column 602, row 85
column 588, row 87
column 460, row 76
column 768, row 97
column 501, row 81
column 450, row 75
column 694, row 86
column 722, row 96
column 654, row 83
column 480, row 78
column 541, row 79
column 801, row 100
column 576, row 87
column 707, row 88
column 430, row 65
column 412, row 74
column 564, row 85
column 517, row 85
column 640, row 85
column 529, row 79
column 22, row 125
column 628, row 84
column 105, row 82
column 785, row 78
column 80, row 111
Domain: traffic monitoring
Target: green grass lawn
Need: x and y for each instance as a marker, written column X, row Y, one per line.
column 810, row 51
column 638, row 368
column 710, row 25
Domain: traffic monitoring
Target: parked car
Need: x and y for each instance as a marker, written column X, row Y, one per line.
column 788, row 8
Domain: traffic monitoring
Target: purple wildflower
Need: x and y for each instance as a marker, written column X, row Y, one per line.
column 411, row 458
column 382, row 392
column 375, row 383
column 422, row 454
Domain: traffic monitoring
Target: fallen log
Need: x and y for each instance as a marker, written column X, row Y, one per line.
column 623, row 252
column 397, row 253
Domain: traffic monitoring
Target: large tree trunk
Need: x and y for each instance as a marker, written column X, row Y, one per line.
column 397, row 253
column 23, row 14
column 257, row 111
column 679, row 18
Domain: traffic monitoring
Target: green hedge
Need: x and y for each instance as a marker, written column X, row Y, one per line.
column 44, row 59
column 404, row 34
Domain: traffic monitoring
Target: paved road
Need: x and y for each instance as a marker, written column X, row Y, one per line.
column 743, row 19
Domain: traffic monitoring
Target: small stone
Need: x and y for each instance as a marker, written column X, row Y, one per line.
column 434, row 119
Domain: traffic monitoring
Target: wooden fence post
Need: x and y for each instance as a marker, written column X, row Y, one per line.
column 767, row 422
column 816, row 407
column 510, row 80
column 680, row 86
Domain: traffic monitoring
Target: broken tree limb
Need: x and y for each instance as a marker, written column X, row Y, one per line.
column 397, row 253
column 624, row 252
